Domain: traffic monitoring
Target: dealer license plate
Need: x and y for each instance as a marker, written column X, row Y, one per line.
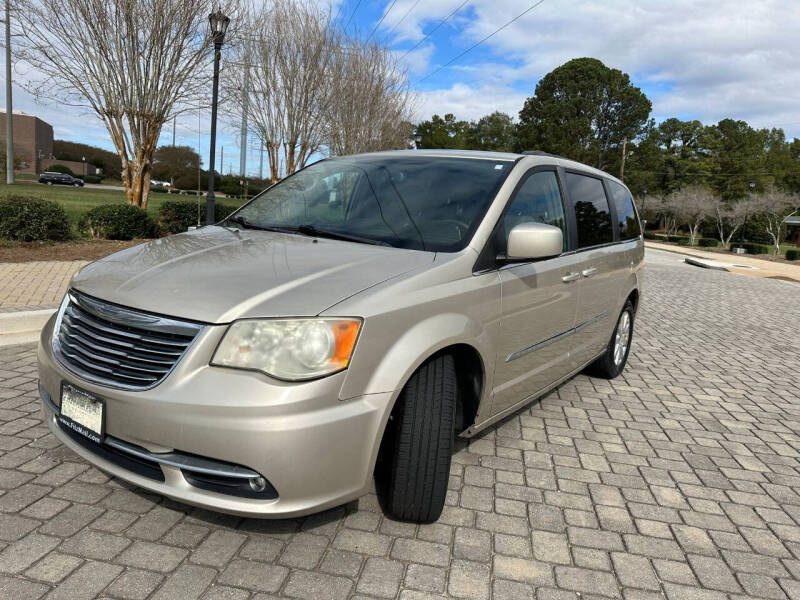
column 82, row 412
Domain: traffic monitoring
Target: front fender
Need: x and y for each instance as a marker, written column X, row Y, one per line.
column 384, row 364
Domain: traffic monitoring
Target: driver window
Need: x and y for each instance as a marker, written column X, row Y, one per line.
column 538, row 201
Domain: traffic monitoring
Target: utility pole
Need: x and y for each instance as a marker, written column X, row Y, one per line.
column 243, row 141
column 9, row 107
column 261, row 162
column 622, row 164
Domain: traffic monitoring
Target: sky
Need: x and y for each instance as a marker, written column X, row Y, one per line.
column 694, row 59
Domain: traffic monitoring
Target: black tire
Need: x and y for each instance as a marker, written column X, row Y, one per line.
column 422, row 443
column 605, row 366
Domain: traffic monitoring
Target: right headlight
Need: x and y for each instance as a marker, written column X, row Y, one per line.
column 291, row 349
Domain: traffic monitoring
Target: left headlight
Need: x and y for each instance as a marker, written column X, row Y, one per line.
column 292, row 349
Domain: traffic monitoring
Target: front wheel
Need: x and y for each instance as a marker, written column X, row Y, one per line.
column 614, row 359
column 421, row 442
column 76, row 184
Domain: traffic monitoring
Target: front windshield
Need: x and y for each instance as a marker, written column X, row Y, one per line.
column 423, row 203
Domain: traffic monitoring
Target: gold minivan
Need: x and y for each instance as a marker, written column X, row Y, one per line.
column 345, row 324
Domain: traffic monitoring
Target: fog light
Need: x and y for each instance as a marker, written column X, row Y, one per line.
column 258, row 484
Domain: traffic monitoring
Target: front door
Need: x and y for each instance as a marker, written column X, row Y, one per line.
column 539, row 299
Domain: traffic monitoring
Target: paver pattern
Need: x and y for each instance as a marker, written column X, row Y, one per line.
column 678, row 480
column 35, row 284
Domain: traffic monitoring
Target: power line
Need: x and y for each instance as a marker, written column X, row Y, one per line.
column 403, row 18
column 339, row 12
column 386, row 14
column 476, row 44
column 442, row 22
column 352, row 14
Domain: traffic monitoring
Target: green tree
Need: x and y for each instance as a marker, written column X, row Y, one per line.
column 444, row 132
column 109, row 162
column 738, row 157
column 494, row 132
column 583, row 110
column 176, row 164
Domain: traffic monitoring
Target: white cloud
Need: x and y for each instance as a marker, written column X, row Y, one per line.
column 467, row 102
column 708, row 61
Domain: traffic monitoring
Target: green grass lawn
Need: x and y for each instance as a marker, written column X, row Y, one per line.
column 78, row 201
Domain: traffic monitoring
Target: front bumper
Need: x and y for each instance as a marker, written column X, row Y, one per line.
column 315, row 450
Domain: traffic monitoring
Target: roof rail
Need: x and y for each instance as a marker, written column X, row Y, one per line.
column 542, row 153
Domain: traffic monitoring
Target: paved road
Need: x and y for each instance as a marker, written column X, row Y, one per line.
column 679, row 480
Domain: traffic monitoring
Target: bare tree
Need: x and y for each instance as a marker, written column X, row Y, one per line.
column 668, row 216
column 729, row 218
column 371, row 105
column 313, row 89
column 773, row 206
column 290, row 53
column 691, row 206
column 133, row 63
column 649, row 207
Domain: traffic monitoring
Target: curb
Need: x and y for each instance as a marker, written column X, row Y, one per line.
column 22, row 327
column 699, row 262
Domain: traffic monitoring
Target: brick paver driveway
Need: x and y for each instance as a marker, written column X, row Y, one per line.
column 678, row 480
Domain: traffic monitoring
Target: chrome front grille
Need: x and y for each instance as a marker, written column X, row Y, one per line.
column 116, row 346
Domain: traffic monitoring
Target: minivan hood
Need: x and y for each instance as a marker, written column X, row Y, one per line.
column 216, row 275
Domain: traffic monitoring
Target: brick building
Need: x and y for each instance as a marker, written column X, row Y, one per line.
column 33, row 140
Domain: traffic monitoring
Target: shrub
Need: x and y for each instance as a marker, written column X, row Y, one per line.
column 649, row 235
column 60, row 169
column 708, row 242
column 221, row 211
column 674, row 238
column 751, row 248
column 793, row 254
column 92, row 179
column 175, row 216
column 118, row 222
column 158, row 189
column 30, row 219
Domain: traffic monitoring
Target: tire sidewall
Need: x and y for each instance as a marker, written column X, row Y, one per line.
column 610, row 351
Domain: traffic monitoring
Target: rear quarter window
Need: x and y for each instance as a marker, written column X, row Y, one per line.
column 627, row 220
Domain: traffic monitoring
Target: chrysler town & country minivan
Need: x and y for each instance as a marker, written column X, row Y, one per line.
column 345, row 324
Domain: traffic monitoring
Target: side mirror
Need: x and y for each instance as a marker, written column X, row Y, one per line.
column 529, row 241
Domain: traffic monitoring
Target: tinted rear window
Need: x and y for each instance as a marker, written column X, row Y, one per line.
column 592, row 215
column 626, row 214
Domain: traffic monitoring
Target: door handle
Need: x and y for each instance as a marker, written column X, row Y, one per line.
column 589, row 272
column 571, row 277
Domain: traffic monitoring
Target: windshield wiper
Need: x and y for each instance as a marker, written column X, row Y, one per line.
column 244, row 223
column 312, row 230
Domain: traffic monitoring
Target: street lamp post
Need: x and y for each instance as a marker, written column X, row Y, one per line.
column 83, row 159
column 9, row 109
column 219, row 25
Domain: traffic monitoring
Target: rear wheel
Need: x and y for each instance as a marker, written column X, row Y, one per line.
column 614, row 359
column 421, row 443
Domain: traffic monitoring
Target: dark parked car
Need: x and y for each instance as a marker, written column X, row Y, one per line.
column 51, row 178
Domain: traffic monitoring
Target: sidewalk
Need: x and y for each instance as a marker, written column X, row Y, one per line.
column 35, row 285
column 729, row 262
column 29, row 294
